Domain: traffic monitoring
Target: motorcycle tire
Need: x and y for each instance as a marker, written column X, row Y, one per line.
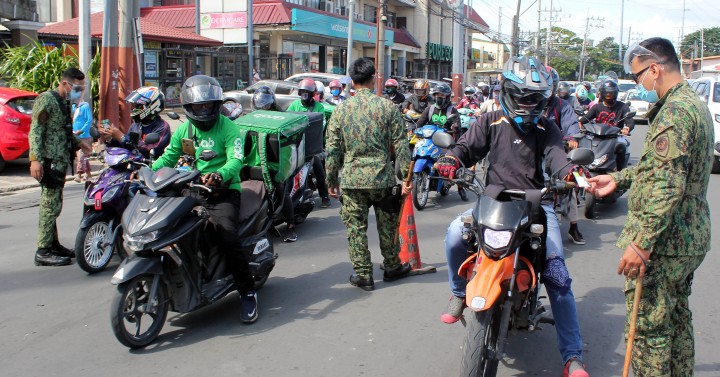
column 479, row 349
column 131, row 306
column 421, row 190
column 261, row 282
column 88, row 253
column 589, row 206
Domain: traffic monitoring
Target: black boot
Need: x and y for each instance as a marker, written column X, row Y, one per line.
column 363, row 282
column 45, row 257
column 61, row 250
column 399, row 272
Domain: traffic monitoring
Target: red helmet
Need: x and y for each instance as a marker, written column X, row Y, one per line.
column 307, row 84
column 334, row 84
column 391, row 82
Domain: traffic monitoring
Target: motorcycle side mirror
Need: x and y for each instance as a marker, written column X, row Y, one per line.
column 207, row 155
column 579, row 112
column 453, row 117
column 630, row 114
column 581, row 156
column 94, row 132
column 152, row 138
column 443, row 140
column 173, row 115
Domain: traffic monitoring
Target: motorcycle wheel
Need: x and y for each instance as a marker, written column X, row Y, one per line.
column 259, row 283
column 479, row 357
column 421, row 190
column 132, row 307
column 589, row 205
column 90, row 256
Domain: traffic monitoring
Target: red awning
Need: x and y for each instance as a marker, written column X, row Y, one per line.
column 151, row 31
column 178, row 16
column 404, row 37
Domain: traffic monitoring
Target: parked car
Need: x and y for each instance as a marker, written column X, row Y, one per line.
column 708, row 88
column 15, row 117
column 637, row 105
column 624, row 86
column 285, row 92
column 324, row 78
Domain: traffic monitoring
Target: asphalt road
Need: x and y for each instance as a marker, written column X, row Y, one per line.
column 55, row 321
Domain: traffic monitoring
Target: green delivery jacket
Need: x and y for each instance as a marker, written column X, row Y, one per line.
column 668, row 211
column 223, row 138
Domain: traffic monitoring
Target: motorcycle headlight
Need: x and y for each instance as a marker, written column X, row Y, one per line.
column 599, row 161
column 137, row 243
column 428, row 132
column 109, row 193
column 87, row 199
column 496, row 239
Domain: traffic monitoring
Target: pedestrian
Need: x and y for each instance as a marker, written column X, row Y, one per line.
column 82, row 122
column 52, row 150
column 360, row 135
column 256, row 75
column 667, row 232
column 492, row 104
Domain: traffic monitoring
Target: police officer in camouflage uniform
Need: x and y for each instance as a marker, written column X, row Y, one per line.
column 52, row 149
column 667, row 233
column 359, row 136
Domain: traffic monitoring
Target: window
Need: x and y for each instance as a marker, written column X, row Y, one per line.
column 47, row 10
column 391, row 19
column 283, row 89
column 370, row 13
column 700, row 89
column 716, row 93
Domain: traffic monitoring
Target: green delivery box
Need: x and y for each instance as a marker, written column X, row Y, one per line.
column 275, row 141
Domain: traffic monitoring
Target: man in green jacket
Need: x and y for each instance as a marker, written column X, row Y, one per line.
column 667, row 233
column 207, row 129
column 360, row 135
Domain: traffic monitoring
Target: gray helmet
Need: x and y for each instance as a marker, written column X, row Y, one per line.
column 442, row 94
column 525, row 90
column 199, row 90
column 263, row 99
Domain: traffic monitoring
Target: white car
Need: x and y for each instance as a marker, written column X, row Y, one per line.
column 637, row 105
column 708, row 88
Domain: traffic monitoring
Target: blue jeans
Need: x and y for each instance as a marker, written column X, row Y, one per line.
column 555, row 278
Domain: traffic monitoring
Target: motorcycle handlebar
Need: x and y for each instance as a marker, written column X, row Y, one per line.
column 195, row 185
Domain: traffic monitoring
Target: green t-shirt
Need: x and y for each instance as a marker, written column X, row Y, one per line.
column 299, row 107
column 223, row 138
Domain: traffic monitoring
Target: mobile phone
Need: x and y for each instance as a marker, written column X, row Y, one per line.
column 105, row 123
column 188, row 147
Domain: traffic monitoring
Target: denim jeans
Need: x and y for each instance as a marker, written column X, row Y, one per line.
column 561, row 297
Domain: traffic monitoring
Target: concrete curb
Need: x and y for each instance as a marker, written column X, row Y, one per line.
column 29, row 185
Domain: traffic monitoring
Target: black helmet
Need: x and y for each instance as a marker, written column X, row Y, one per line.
column 555, row 81
column 609, row 92
column 147, row 102
column 442, row 94
column 200, row 90
column 263, row 99
column 525, row 90
column 563, row 90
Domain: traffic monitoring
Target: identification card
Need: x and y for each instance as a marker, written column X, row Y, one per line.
column 581, row 181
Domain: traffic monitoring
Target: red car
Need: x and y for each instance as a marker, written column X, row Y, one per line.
column 15, row 117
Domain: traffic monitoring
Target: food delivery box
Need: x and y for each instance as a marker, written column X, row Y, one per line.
column 314, row 133
column 275, row 141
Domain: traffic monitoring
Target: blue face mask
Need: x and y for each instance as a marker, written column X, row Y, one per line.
column 649, row 96
column 335, row 92
column 74, row 95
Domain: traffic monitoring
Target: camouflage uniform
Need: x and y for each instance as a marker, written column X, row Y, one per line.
column 48, row 139
column 360, row 135
column 668, row 214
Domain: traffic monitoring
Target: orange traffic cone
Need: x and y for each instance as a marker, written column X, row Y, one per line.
column 407, row 236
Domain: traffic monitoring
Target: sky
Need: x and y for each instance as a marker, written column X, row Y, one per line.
column 643, row 18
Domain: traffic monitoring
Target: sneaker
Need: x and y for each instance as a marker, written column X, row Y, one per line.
column 398, row 272
column 575, row 368
column 363, row 282
column 45, row 257
column 325, row 203
column 576, row 237
column 61, row 250
column 248, row 305
column 290, row 235
column 454, row 311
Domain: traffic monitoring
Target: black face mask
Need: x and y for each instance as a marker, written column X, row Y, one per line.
column 307, row 99
column 442, row 102
column 391, row 90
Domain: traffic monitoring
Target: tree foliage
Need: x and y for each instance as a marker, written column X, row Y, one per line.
column 693, row 42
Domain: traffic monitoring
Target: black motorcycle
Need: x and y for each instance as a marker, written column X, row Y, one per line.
column 174, row 260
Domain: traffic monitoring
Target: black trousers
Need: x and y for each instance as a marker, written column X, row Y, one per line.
column 320, row 176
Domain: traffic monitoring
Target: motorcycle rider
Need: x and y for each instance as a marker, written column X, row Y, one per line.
column 420, row 99
column 563, row 91
column 484, row 92
column 391, row 87
column 588, row 87
column 147, row 102
column 470, row 101
column 515, row 141
column 491, row 104
column 581, row 94
column 201, row 98
column 609, row 110
column 307, row 103
column 336, row 91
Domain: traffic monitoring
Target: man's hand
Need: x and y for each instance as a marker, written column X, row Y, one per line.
column 447, row 165
column 572, row 144
column 601, row 185
column 334, row 191
column 111, row 131
column 407, row 188
column 625, row 131
column 212, row 180
column 36, row 170
column 633, row 262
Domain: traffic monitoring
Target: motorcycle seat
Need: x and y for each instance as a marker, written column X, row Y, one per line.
column 253, row 192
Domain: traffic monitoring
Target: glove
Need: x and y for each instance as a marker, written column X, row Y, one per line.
column 447, row 165
column 212, row 180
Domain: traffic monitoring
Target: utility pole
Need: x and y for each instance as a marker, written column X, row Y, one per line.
column 109, row 64
column 351, row 19
column 549, row 35
column 516, row 31
column 85, row 43
column 380, row 48
column 583, row 54
column 622, row 15
column 702, row 46
column 250, row 41
column 537, row 41
column 427, row 40
column 499, row 44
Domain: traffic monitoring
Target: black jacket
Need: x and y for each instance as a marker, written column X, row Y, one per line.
column 417, row 105
column 603, row 114
column 426, row 117
column 514, row 158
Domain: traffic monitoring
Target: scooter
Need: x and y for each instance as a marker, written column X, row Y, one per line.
column 104, row 202
column 602, row 139
column 467, row 118
column 506, row 238
column 174, row 261
column 425, row 176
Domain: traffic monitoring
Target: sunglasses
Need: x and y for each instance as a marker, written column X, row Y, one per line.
column 636, row 76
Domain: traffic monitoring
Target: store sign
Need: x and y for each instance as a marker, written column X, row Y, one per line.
column 335, row 27
column 439, row 52
column 179, row 53
column 233, row 20
column 152, row 45
column 475, row 54
column 151, row 68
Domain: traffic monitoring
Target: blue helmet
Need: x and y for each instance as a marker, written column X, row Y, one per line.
column 525, row 90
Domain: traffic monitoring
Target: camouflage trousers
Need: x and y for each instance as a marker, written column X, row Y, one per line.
column 354, row 214
column 664, row 344
column 51, row 201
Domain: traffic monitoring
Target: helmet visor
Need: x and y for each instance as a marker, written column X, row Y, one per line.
column 635, row 50
column 201, row 94
column 421, row 92
column 527, row 99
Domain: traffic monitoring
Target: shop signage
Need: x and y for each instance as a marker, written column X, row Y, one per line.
column 475, row 54
column 151, row 68
column 439, row 52
column 234, row 20
column 179, row 53
column 320, row 24
column 152, row 45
